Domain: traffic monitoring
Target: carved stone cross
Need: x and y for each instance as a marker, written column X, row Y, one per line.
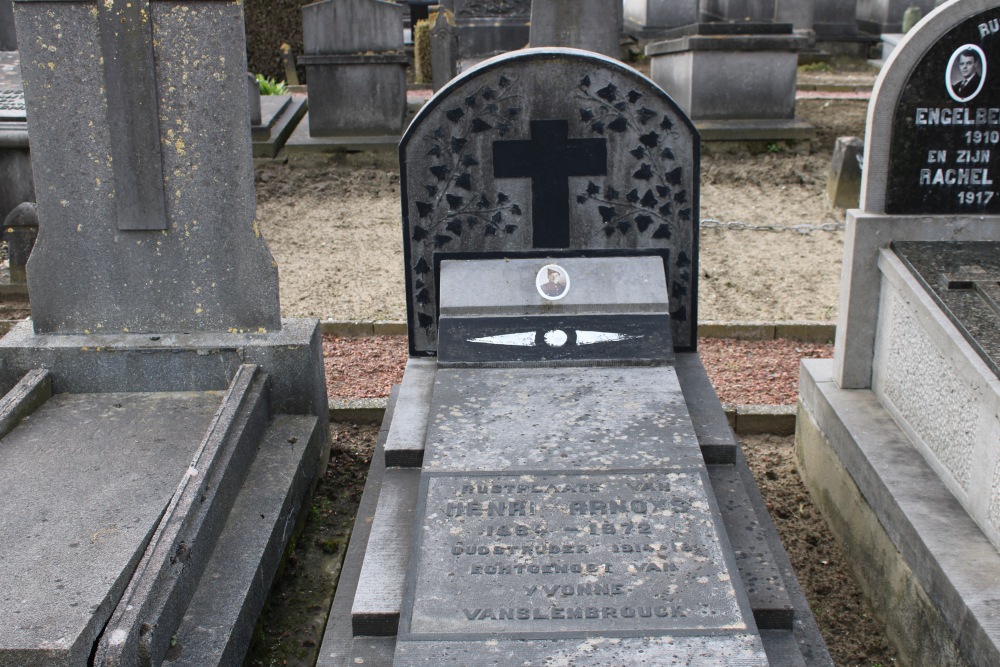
column 549, row 158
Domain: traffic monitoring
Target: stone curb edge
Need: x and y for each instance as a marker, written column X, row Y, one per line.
column 743, row 419
column 802, row 331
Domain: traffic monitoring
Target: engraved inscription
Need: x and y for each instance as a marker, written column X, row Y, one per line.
column 502, row 553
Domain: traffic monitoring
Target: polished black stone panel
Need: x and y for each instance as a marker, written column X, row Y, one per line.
column 964, row 280
column 945, row 148
column 629, row 340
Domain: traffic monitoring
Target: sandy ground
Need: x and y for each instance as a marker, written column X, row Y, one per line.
column 335, row 230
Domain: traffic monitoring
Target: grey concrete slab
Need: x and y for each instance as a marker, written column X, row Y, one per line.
column 404, row 444
column 615, row 173
column 210, row 270
column 218, row 625
column 152, row 606
column 598, row 285
column 379, row 595
column 292, row 358
column 711, row 428
column 531, row 419
column 84, row 487
column 772, row 607
column 737, row 650
column 550, row 555
column 24, row 398
column 281, row 114
column 930, row 557
column 301, row 143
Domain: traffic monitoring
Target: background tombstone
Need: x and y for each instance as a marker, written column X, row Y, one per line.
column 735, row 79
column 272, row 118
column 886, row 16
column 913, row 378
column 8, row 35
column 444, row 49
column 489, row 27
column 738, row 10
column 591, row 25
column 647, row 18
column 355, row 72
column 175, row 419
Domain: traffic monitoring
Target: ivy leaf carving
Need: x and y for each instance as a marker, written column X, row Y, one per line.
column 419, row 233
column 648, row 200
column 440, row 171
column 643, row 222
column 480, row 125
column 644, row 173
column 440, row 240
column 454, row 115
column 424, row 209
column 457, row 144
column 611, row 194
column 454, row 201
column 619, row 124
column 662, row 232
column 645, row 115
column 607, row 213
column 674, row 177
column 421, row 268
column 649, row 140
column 633, row 96
column 638, row 152
column 633, row 196
column 623, row 226
column 455, row 227
column 464, row 181
column 592, row 188
column 609, row 92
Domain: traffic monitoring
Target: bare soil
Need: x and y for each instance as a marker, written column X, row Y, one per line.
column 335, row 230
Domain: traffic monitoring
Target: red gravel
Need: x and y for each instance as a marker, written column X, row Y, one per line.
column 757, row 372
column 743, row 372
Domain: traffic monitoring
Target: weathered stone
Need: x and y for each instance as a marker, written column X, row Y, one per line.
column 146, row 281
column 592, row 25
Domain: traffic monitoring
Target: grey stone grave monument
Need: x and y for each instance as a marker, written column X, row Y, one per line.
column 591, row 25
column 444, row 48
column 16, row 181
column 555, row 481
column 647, row 18
column 742, row 11
column 490, row 27
column 735, row 80
column 355, row 75
column 161, row 424
column 272, row 118
column 899, row 434
column 836, row 26
column 886, row 16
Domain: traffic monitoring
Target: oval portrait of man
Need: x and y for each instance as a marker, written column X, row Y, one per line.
column 966, row 72
column 552, row 282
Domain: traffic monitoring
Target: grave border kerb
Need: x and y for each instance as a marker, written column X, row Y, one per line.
column 889, row 87
column 543, row 54
column 701, row 473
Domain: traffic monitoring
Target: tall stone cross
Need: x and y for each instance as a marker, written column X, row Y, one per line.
column 126, row 34
column 549, row 159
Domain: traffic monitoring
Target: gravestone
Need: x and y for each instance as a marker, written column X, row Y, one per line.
column 647, row 18
column 591, row 25
column 161, row 424
column 735, row 79
column 913, row 376
column 16, row 180
column 489, row 27
column 886, row 16
column 752, row 11
column 444, row 49
column 555, row 479
column 8, row 35
column 272, row 118
column 355, row 72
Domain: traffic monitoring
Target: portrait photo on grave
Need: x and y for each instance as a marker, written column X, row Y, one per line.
column 966, row 72
column 552, row 282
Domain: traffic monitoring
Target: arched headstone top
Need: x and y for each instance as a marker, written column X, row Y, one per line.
column 549, row 153
column 934, row 116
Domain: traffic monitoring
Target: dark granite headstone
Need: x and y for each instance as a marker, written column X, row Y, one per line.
column 886, row 16
column 945, row 149
column 548, row 153
column 833, row 19
column 964, row 280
